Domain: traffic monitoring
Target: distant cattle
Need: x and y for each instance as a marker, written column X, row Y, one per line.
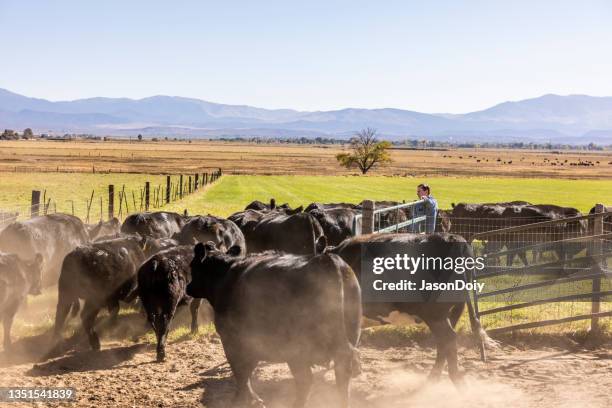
column 471, row 219
column 102, row 274
column 278, row 307
column 162, row 281
column 224, row 233
column 297, row 233
column 103, row 228
column 159, row 224
column 440, row 317
column 18, row 278
column 51, row 236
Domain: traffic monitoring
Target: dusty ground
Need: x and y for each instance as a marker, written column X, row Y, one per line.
column 124, row 374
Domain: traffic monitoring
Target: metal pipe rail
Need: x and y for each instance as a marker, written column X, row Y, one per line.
column 372, row 212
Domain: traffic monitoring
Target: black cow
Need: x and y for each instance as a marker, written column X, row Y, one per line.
column 159, row 224
column 103, row 228
column 224, row 233
column 440, row 317
column 18, row 278
column 337, row 223
column 297, row 233
column 327, row 206
column 162, row 281
column 260, row 206
column 51, row 236
column 102, row 274
column 281, row 308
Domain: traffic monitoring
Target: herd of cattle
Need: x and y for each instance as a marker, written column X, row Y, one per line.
column 283, row 282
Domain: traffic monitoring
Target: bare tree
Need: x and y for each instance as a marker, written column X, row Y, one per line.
column 366, row 152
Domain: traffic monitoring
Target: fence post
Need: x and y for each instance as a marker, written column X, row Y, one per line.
column 147, row 195
column 167, row 189
column 367, row 218
column 111, row 201
column 35, row 205
column 597, row 250
column 197, row 180
column 181, row 187
column 189, row 185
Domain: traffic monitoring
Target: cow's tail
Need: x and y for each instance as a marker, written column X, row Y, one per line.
column 75, row 308
column 347, row 312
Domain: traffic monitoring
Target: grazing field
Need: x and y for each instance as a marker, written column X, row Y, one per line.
column 251, row 158
column 68, row 189
column 231, row 193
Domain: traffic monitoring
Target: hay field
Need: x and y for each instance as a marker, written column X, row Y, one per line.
column 250, row 158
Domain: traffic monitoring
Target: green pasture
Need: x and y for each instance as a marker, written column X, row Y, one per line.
column 232, row 193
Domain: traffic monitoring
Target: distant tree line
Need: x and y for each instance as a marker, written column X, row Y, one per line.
column 10, row 134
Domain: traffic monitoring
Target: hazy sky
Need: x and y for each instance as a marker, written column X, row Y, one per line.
column 436, row 56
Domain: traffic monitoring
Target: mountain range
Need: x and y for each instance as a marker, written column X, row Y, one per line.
column 572, row 119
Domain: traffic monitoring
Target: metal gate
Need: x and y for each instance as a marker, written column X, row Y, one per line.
column 395, row 218
column 545, row 273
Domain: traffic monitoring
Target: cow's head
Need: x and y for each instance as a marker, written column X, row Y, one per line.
column 208, row 267
column 34, row 274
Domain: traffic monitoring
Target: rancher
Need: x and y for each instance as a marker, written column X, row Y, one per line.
column 428, row 208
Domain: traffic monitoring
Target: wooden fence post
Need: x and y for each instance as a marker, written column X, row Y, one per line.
column 147, row 195
column 167, row 189
column 597, row 251
column 196, row 182
column 189, row 190
column 181, row 187
column 111, row 201
column 367, row 220
column 35, row 205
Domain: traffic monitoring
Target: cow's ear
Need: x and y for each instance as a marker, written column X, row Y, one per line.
column 453, row 205
column 234, row 250
column 272, row 203
column 199, row 251
column 321, row 244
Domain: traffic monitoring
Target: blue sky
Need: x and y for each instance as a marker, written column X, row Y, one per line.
column 437, row 56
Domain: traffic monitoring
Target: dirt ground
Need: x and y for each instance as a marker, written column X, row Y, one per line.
column 125, row 374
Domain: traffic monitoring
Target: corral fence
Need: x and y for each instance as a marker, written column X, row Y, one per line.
column 544, row 273
column 119, row 202
column 387, row 218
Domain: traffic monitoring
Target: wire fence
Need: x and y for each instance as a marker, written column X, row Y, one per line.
column 114, row 202
column 543, row 273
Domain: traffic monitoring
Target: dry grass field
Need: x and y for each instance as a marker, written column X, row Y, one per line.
column 248, row 158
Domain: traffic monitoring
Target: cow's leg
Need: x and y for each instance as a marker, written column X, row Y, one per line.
column 344, row 368
column 61, row 313
column 302, row 375
column 88, row 317
column 523, row 256
column 436, row 371
column 7, row 322
column 194, row 307
column 447, row 345
column 113, row 311
column 243, row 367
column 161, row 327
